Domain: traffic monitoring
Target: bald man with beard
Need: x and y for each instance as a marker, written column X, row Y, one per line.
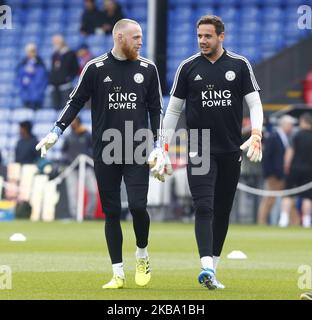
column 124, row 88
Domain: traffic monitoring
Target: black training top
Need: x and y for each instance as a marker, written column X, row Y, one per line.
column 214, row 96
column 302, row 145
column 120, row 90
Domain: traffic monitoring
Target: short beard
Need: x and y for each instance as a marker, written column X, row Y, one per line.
column 131, row 54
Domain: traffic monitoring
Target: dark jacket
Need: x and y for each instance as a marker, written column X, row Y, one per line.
column 65, row 67
column 111, row 20
column 76, row 144
column 90, row 20
column 31, row 80
column 25, row 151
column 273, row 156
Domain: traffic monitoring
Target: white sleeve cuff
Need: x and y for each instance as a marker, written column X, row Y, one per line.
column 174, row 110
column 255, row 108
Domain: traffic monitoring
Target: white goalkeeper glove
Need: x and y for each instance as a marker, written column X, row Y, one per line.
column 253, row 144
column 48, row 141
column 160, row 163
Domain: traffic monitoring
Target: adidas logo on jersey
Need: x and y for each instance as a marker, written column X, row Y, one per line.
column 107, row 79
column 197, row 78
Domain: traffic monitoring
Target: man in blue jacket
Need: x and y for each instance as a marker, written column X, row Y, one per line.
column 32, row 78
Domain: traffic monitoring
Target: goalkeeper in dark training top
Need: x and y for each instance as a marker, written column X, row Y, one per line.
column 124, row 88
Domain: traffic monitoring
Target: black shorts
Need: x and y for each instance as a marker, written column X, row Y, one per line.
column 298, row 178
column 136, row 178
column 215, row 190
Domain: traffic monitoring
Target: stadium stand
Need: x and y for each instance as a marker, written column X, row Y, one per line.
column 257, row 29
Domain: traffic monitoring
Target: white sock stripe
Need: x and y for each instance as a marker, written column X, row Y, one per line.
column 176, row 77
column 252, row 76
column 95, row 60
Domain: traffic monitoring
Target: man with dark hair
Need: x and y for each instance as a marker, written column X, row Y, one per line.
column 25, row 152
column 124, row 88
column 110, row 14
column 91, row 18
column 213, row 84
column 77, row 142
column 298, row 159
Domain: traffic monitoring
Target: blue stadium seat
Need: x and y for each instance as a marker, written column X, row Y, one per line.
column 5, row 102
column 55, row 15
column 296, row 3
column 179, row 3
column 272, row 14
column 274, row 3
column 41, row 129
column 34, row 15
column 180, row 14
column 45, row 115
column 250, row 13
column 5, row 114
column 181, row 28
column 251, row 53
column 249, row 39
column 138, row 13
column 140, row 3
column 95, row 40
column 73, row 40
column 250, row 26
column 35, row 3
column 75, row 4
column 271, row 41
column 56, row 3
column 228, row 13
column 14, row 3
column 73, row 12
column 272, row 27
column 53, row 28
column 290, row 14
column 204, row 10
column 3, row 140
column 85, row 115
column 184, row 38
column 22, row 114
column 72, row 28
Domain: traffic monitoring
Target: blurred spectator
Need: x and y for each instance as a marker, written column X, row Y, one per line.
column 307, row 89
column 84, row 55
column 25, row 151
column 32, row 78
column 91, row 18
column 110, row 14
column 65, row 68
column 77, row 142
column 273, row 164
column 298, row 160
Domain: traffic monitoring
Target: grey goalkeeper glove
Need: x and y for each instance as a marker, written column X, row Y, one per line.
column 48, row 141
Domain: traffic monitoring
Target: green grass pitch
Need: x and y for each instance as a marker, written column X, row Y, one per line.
column 70, row 261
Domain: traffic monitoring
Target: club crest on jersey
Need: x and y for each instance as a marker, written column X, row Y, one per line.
column 138, row 78
column 230, row 75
